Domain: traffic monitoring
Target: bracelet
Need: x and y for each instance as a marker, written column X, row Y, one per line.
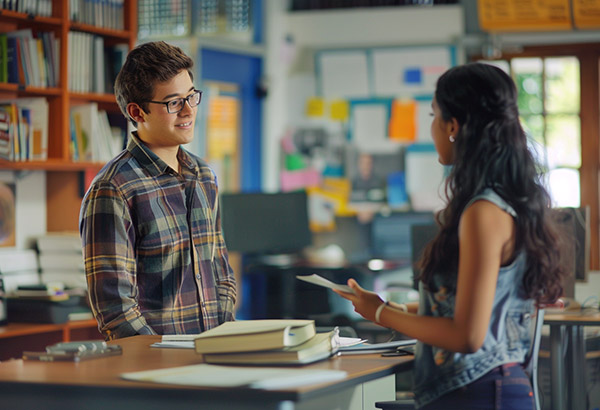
column 379, row 310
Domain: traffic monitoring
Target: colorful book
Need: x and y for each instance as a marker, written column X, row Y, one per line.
column 5, row 137
column 3, row 58
column 16, row 72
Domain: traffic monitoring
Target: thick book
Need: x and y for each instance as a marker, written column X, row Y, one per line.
column 250, row 335
column 388, row 347
column 319, row 347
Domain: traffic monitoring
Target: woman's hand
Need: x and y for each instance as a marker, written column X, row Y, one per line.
column 365, row 302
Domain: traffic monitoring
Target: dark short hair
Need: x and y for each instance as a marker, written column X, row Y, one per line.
column 146, row 65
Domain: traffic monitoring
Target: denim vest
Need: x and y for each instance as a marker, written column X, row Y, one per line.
column 438, row 371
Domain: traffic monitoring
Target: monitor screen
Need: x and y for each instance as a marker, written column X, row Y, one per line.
column 391, row 234
column 574, row 236
column 265, row 223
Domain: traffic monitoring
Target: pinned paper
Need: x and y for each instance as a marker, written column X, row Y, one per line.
column 222, row 127
column 403, row 126
column 315, row 107
column 337, row 191
column 339, row 110
column 293, row 180
column 294, row 162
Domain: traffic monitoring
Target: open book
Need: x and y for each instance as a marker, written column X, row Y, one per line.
column 319, row 347
column 250, row 335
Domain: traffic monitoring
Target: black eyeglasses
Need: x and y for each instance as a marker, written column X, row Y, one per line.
column 176, row 105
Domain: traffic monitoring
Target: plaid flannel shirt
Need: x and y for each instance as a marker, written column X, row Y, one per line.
column 143, row 275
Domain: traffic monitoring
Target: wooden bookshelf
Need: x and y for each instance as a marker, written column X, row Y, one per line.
column 61, row 168
column 15, row 338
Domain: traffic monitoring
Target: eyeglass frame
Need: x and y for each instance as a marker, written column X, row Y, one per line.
column 183, row 99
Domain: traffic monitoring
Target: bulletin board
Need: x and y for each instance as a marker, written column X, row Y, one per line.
column 388, row 91
column 388, row 72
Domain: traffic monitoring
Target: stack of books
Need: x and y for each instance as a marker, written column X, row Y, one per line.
column 24, row 129
column 262, row 342
column 61, row 259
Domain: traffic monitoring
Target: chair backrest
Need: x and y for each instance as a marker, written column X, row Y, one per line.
column 531, row 360
column 530, row 365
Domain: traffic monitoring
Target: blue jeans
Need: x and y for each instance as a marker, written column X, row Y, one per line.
column 505, row 387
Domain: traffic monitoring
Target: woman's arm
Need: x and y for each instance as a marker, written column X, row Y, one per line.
column 411, row 307
column 486, row 235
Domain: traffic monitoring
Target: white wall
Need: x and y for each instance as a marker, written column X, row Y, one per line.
column 30, row 205
column 589, row 292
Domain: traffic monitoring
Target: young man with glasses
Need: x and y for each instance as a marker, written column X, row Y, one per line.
column 155, row 258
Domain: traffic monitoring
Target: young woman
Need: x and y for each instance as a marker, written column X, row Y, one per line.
column 495, row 257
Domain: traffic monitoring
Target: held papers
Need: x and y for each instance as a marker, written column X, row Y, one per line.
column 265, row 378
column 321, row 281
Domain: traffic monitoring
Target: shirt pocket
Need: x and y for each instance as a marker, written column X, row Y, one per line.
column 518, row 329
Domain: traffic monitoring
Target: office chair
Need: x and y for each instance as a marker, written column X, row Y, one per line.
column 530, row 365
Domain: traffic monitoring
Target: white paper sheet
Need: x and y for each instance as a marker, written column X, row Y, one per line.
column 321, row 281
column 266, row 378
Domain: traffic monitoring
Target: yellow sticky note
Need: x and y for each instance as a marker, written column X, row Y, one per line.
column 315, row 107
column 339, row 110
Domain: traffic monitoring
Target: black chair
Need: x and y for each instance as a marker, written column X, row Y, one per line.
column 530, row 365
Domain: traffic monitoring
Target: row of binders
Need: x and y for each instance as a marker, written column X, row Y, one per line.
column 29, row 59
column 32, row 59
column 100, row 13
column 42, row 8
column 92, row 66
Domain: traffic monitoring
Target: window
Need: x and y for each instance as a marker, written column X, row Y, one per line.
column 559, row 107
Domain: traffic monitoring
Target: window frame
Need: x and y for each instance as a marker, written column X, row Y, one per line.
column 589, row 77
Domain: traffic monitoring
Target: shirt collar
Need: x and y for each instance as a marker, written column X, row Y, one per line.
column 152, row 162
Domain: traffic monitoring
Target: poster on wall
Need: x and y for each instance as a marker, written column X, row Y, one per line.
column 343, row 74
column 409, row 71
column 7, row 214
column 586, row 14
column 519, row 15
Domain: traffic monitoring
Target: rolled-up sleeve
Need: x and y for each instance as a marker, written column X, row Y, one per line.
column 108, row 239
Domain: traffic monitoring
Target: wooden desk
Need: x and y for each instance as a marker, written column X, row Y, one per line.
column 566, row 330
column 18, row 337
column 95, row 384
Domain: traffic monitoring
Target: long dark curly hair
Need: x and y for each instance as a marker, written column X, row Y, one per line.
column 490, row 150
